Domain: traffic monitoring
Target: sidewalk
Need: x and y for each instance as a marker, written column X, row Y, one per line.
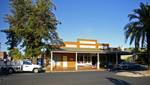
column 134, row 73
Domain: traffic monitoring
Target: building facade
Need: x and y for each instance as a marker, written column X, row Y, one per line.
column 85, row 54
column 86, row 43
column 3, row 55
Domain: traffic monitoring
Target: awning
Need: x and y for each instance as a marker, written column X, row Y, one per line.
column 90, row 50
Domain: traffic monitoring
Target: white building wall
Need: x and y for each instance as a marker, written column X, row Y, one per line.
column 71, row 46
column 100, row 47
column 87, row 42
column 87, row 46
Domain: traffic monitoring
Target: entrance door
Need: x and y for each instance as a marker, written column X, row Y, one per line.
column 94, row 60
column 65, row 64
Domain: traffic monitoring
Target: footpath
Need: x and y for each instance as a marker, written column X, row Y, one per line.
column 145, row 73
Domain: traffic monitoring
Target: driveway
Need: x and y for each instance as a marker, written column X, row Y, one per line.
column 72, row 78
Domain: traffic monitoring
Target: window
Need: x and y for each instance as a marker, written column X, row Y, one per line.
column 80, row 59
column 27, row 63
column 89, row 59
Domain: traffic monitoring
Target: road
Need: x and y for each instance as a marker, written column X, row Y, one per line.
column 72, row 78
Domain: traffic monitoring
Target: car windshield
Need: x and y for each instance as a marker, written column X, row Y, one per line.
column 27, row 63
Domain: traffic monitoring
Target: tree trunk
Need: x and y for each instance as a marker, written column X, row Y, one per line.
column 34, row 60
column 148, row 48
column 46, row 61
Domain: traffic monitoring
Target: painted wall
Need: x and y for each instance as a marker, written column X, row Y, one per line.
column 86, row 43
column 70, row 59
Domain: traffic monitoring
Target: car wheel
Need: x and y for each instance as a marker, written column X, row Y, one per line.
column 35, row 70
column 10, row 70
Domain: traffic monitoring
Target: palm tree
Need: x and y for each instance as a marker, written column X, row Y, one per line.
column 138, row 29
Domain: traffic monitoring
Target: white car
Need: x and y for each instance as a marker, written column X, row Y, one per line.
column 21, row 66
column 27, row 66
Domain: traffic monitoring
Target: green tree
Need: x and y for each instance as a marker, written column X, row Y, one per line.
column 15, row 54
column 138, row 29
column 32, row 26
column 16, row 20
column 42, row 26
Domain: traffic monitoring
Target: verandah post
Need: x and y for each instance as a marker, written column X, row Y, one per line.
column 76, row 66
column 116, row 58
column 98, row 61
column 51, row 61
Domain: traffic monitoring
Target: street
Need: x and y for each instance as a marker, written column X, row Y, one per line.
column 72, row 78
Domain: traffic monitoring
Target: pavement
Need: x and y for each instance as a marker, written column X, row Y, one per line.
column 72, row 78
column 134, row 73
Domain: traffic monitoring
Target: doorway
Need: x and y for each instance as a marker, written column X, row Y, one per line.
column 94, row 60
column 65, row 64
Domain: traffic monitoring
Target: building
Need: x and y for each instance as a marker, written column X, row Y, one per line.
column 85, row 54
column 3, row 55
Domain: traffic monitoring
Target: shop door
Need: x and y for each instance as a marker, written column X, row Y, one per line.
column 65, row 64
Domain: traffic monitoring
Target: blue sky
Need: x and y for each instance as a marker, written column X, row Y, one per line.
column 102, row 20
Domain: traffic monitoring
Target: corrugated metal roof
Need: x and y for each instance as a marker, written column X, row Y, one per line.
column 89, row 50
column 82, row 50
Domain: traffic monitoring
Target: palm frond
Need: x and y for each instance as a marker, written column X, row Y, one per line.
column 133, row 16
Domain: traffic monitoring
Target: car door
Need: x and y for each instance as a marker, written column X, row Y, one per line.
column 27, row 66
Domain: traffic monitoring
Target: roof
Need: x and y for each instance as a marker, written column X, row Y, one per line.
column 79, row 50
column 89, row 50
column 79, row 39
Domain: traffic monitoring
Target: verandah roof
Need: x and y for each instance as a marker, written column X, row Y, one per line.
column 90, row 50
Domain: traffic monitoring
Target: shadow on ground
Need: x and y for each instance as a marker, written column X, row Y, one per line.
column 117, row 81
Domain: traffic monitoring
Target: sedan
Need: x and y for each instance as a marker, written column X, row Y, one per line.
column 128, row 66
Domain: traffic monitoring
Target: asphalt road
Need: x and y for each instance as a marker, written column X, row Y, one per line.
column 74, row 78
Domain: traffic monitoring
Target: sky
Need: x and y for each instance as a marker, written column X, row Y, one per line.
column 101, row 20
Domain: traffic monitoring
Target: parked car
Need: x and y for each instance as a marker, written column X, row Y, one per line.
column 28, row 66
column 128, row 66
column 20, row 66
